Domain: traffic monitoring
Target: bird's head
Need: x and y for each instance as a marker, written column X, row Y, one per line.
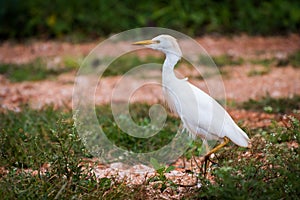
column 165, row 43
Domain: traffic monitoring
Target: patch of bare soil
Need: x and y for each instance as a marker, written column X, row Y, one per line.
column 240, row 46
column 239, row 86
column 279, row 82
column 251, row 47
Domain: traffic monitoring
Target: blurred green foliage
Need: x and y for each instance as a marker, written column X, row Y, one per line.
column 48, row 18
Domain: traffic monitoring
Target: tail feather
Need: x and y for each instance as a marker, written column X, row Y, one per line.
column 238, row 136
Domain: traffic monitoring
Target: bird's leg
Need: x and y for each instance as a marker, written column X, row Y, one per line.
column 196, row 163
column 206, row 157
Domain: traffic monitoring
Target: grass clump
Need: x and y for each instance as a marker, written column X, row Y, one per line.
column 226, row 59
column 263, row 62
column 269, row 170
column 140, row 115
column 32, row 139
column 259, row 72
column 220, row 61
column 33, row 71
column 273, row 105
column 294, row 59
column 127, row 62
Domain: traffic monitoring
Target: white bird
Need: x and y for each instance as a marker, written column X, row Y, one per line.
column 201, row 115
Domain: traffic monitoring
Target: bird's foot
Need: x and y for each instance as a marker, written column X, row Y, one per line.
column 206, row 164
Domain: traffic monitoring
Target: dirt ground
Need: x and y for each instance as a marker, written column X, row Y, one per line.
column 239, row 86
column 242, row 46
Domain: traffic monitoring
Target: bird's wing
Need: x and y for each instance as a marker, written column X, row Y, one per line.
column 201, row 114
column 214, row 119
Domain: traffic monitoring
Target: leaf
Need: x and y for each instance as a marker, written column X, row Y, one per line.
column 105, row 182
column 155, row 164
column 170, row 168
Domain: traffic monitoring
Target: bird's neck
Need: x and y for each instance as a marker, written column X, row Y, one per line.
column 168, row 66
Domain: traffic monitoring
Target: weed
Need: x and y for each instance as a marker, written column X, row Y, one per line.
column 160, row 178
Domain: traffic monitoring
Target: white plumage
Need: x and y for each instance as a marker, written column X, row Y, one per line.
column 201, row 115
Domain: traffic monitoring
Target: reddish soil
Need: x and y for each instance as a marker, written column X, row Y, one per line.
column 239, row 86
column 240, row 46
column 279, row 82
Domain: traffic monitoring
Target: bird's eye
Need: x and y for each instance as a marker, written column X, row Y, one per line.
column 157, row 41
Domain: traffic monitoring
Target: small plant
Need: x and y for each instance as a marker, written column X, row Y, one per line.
column 161, row 180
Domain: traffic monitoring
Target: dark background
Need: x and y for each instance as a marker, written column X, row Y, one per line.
column 98, row 18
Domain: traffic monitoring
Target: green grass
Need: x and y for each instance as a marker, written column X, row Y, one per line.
column 263, row 62
column 38, row 70
column 127, row 62
column 259, row 72
column 33, row 71
column 30, row 138
column 294, row 59
column 273, row 105
column 70, row 62
column 225, row 60
column 140, row 115
column 220, row 61
column 269, row 171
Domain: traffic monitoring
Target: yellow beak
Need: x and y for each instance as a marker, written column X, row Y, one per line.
column 144, row 42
